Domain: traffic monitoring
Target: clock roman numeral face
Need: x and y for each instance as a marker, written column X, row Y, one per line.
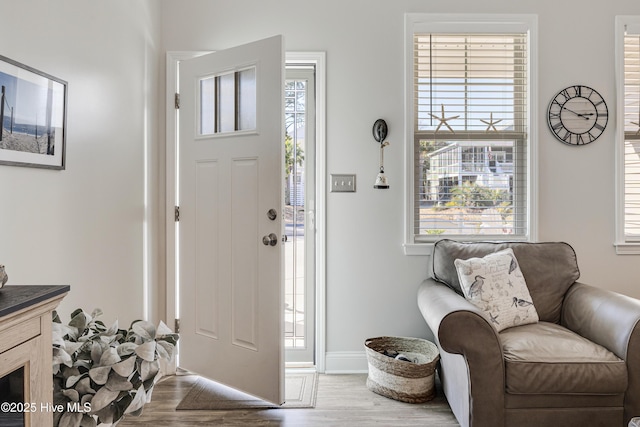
column 577, row 115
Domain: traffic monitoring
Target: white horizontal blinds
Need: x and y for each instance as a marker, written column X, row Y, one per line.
column 470, row 110
column 632, row 136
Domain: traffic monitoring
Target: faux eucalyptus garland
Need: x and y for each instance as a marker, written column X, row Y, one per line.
column 102, row 373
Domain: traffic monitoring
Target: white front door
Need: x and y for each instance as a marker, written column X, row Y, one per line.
column 230, row 192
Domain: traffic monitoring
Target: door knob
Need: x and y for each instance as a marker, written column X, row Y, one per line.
column 270, row 240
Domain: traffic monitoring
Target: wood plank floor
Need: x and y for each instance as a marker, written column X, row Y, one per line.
column 342, row 400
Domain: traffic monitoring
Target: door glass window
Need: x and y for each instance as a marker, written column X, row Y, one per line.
column 207, row 106
column 247, row 99
column 228, row 102
column 225, row 102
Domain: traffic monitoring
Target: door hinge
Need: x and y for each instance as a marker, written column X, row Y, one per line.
column 176, row 213
column 177, row 101
column 176, row 326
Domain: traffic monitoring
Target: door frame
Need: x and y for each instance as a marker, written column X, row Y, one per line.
column 318, row 59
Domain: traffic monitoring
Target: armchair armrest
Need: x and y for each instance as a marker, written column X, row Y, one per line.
column 461, row 328
column 602, row 316
column 613, row 321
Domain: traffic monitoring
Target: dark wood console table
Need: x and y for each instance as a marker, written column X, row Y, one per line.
column 25, row 342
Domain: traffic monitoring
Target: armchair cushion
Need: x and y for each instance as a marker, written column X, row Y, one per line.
column 546, row 358
column 549, row 269
column 495, row 285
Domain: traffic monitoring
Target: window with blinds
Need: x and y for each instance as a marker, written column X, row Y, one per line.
column 471, row 136
column 632, row 136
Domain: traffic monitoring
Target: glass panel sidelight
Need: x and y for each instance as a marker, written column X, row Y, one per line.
column 228, row 102
column 295, row 300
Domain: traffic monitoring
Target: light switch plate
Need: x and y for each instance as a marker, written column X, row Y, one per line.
column 341, row 183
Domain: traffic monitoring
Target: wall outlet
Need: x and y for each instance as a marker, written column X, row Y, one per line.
column 343, row 183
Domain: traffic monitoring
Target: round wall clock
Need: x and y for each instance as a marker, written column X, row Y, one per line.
column 577, row 115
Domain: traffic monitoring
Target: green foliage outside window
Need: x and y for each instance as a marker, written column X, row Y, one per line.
column 290, row 157
column 472, row 195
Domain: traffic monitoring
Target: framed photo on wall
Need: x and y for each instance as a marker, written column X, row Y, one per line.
column 33, row 114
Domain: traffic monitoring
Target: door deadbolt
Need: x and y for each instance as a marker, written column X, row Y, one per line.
column 272, row 214
column 270, row 240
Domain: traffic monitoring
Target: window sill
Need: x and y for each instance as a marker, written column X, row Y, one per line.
column 418, row 249
column 627, row 248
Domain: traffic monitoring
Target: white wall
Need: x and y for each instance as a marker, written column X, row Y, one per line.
column 84, row 226
column 371, row 284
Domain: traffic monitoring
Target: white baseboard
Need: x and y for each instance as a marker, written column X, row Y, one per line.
column 346, row 362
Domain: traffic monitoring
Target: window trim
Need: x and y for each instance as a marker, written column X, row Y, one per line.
column 622, row 244
column 456, row 23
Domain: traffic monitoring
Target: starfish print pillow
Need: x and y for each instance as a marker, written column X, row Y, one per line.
column 496, row 286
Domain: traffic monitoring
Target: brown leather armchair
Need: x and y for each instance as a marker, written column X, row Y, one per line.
column 578, row 366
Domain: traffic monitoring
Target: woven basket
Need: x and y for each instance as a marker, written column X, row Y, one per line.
column 397, row 379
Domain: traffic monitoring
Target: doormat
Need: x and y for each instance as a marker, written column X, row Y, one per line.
column 299, row 392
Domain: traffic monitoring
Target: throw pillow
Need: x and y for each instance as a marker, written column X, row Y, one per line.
column 496, row 286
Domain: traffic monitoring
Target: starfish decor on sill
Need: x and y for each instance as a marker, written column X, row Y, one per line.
column 491, row 124
column 443, row 120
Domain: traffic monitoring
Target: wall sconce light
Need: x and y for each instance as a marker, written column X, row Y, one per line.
column 380, row 131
